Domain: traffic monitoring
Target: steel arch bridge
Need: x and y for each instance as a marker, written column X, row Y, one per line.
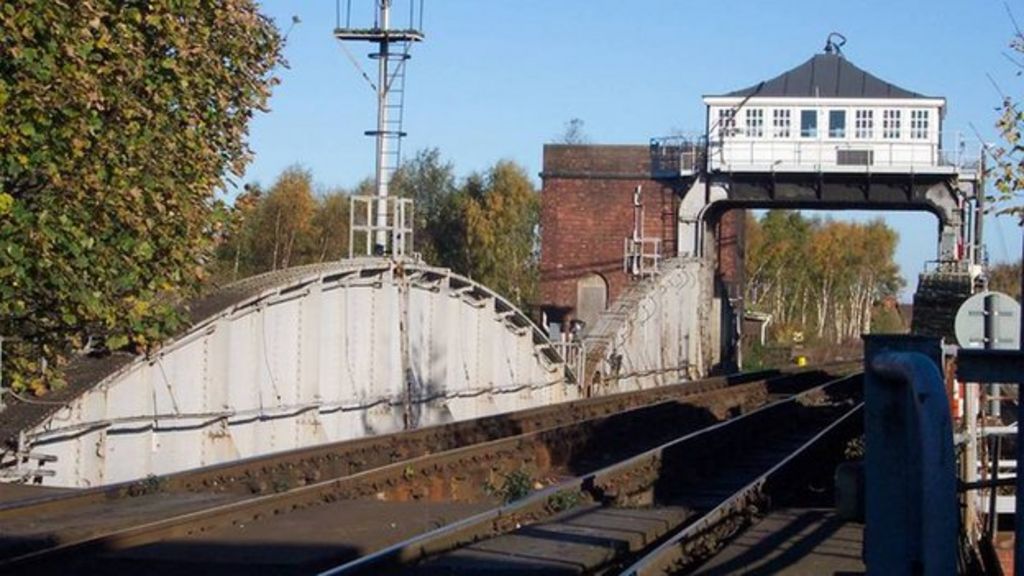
column 290, row 359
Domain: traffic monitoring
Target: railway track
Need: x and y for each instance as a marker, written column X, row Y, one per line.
column 658, row 512
column 458, row 462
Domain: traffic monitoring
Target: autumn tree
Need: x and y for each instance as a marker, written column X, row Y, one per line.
column 120, row 120
column 1009, row 157
column 485, row 226
column 821, row 277
column 501, row 212
column 330, row 226
column 234, row 238
column 288, row 225
column 281, row 233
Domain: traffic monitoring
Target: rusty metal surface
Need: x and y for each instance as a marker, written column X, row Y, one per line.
column 706, row 535
column 655, row 477
column 417, row 478
column 259, row 474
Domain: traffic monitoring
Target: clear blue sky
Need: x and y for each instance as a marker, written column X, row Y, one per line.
column 496, row 79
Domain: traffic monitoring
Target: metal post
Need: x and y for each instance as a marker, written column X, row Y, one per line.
column 1018, row 504
column 988, row 342
column 635, row 252
column 979, row 214
column 382, row 126
column 993, row 515
column 1018, row 501
column 910, row 462
column 971, row 394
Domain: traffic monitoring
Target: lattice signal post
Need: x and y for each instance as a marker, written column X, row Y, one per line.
column 393, row 45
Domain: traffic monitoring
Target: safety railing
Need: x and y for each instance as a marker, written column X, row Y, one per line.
column 371, row 235
column 779, row 149
column 673, row 156
column 574, row 354
column 641, row 257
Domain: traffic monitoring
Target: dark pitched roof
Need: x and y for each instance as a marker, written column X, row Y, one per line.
column 826, row 76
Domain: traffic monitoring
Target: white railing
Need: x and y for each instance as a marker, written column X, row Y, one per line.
column 781, row 149
column 681, row 155
column 364, row 228
column 574, row 355
column 641, row 257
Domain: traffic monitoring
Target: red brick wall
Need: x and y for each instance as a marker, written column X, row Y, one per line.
column 587, row 212
column 730, row 251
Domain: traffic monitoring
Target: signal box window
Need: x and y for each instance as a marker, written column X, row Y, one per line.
column 919, row 124
column 837, row 123
column 780, row 123
column 755, row 122
column 808, row 123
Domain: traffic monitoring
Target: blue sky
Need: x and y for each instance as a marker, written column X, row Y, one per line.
column 496, row 79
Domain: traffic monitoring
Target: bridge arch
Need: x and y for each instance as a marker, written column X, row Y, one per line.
column 294, row 358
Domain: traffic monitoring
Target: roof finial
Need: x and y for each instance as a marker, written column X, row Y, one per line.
column 835, row 46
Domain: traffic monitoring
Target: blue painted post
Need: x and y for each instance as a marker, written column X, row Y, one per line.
column 910, row 463
column 1018, row 501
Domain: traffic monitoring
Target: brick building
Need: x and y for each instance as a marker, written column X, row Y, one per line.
column 587, row 211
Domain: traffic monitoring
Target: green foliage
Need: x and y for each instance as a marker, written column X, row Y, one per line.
column 501, row 212
column 515, row 485
column 819, row 277
column 121, row 119
column 486, row 228
column 565, row 500
column 430, row 182
column 1009, row 169
column 289, row 225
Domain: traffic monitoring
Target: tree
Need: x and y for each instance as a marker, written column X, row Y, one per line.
column 234, row 239
column 120, row 120
column 574, row 133
column 430, row 182
column 1009, row 169
column 821, row 277
column 330, row 226
column 501, row 212
column 282, row 229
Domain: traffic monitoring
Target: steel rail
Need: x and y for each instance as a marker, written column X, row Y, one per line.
column 205, row 478
column 643, row 468
column 674, row 551
column 360, row 484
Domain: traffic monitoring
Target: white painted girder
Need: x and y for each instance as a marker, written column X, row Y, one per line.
column 315, row 359
column 656, row 333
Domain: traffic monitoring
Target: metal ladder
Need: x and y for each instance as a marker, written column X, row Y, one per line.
column 395, row 105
